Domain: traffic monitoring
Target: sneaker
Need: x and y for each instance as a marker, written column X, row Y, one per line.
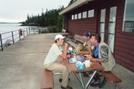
column 60, row 80
column 95, row 82
column 68, row 87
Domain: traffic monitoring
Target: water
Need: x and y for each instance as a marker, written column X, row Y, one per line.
column 10, row 27
column 10, row 32
column 6, row 34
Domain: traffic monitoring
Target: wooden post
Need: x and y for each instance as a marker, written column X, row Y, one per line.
column 1, row 42
column 12, row 37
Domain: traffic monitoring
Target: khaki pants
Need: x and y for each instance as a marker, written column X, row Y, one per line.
column 59, row 68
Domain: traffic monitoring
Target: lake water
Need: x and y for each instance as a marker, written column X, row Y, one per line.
column 10, row 27
column 10, row 32
column 6, row 34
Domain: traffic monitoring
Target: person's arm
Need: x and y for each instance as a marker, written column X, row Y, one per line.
column 92, row 59
column 89, row 52
column 83, row 52
column 60, row 59
column 64, row 52
column 90, row 49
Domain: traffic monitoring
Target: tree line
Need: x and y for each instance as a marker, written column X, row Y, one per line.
column 48, row 18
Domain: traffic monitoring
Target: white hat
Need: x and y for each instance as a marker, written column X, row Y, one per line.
column 59, row 36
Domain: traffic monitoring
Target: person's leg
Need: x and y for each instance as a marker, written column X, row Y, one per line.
column 59, row 68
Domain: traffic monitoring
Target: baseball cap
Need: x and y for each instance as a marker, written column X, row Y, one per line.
column 87, row 33
column 59, row 36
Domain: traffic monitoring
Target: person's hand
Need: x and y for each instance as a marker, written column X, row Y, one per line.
column 89, row 57
column 60, row 60
column 77, row 52
column 65, row 44
column 89, row 45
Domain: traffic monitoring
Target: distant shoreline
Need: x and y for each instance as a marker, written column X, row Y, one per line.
column 10, row 23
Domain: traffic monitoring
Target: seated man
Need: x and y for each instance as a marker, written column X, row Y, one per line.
column 86, row 50
column 101, row 54
column 54, row 58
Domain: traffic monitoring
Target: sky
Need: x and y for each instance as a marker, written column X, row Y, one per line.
column 17, row 10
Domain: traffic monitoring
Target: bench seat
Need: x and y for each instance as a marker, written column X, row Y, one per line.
column 111, row 77
column 47, row 80
column 76, row 38
column 72, row 43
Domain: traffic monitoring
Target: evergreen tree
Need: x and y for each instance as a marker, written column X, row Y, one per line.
column 48, row 18
column 71, row 2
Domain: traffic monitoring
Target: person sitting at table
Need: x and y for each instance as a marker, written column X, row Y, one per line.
column 102, row 55
column 79, row 47
column 54, row 58
column 86, row 50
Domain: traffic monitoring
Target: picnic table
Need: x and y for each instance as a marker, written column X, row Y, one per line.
column 94, row 67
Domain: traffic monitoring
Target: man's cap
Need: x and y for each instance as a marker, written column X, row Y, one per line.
column 87, row 33
column 59, row 36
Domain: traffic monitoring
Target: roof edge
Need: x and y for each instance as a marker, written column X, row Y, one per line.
column 74, row 5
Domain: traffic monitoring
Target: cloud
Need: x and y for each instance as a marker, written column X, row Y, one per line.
column 17, row 10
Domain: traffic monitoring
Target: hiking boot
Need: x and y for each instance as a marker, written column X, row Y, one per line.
column 68, row 87
column 60, row 80
column 95, row 82
column 103, row 83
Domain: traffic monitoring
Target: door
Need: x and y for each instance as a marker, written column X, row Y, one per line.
column 107, row 24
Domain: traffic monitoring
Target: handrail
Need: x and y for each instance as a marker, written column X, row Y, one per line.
column 14, row 35
column 8, row 32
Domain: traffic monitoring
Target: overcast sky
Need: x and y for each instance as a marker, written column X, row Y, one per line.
column 17, row 10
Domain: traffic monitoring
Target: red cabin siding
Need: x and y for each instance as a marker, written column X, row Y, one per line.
column 124, row 41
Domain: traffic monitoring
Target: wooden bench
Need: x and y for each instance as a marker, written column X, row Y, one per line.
column 76, row 38
column 47, row 80
column 111, row 77
column 66, row 35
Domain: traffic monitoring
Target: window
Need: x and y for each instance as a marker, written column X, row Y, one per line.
column 84, row 14
column 72, row 17
column 91, row 13
column 75, row 16
column 128, row 23
column 79, row 16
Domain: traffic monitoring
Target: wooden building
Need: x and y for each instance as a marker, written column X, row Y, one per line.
column 112, row 19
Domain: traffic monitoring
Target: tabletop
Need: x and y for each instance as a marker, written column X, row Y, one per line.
column 72, row 67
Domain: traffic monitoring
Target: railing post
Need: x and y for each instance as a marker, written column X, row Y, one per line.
column 1, row 42
column 29, row 30
column 12, row 37
column 26, row 31
column 19, row 34
column 33, row 31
